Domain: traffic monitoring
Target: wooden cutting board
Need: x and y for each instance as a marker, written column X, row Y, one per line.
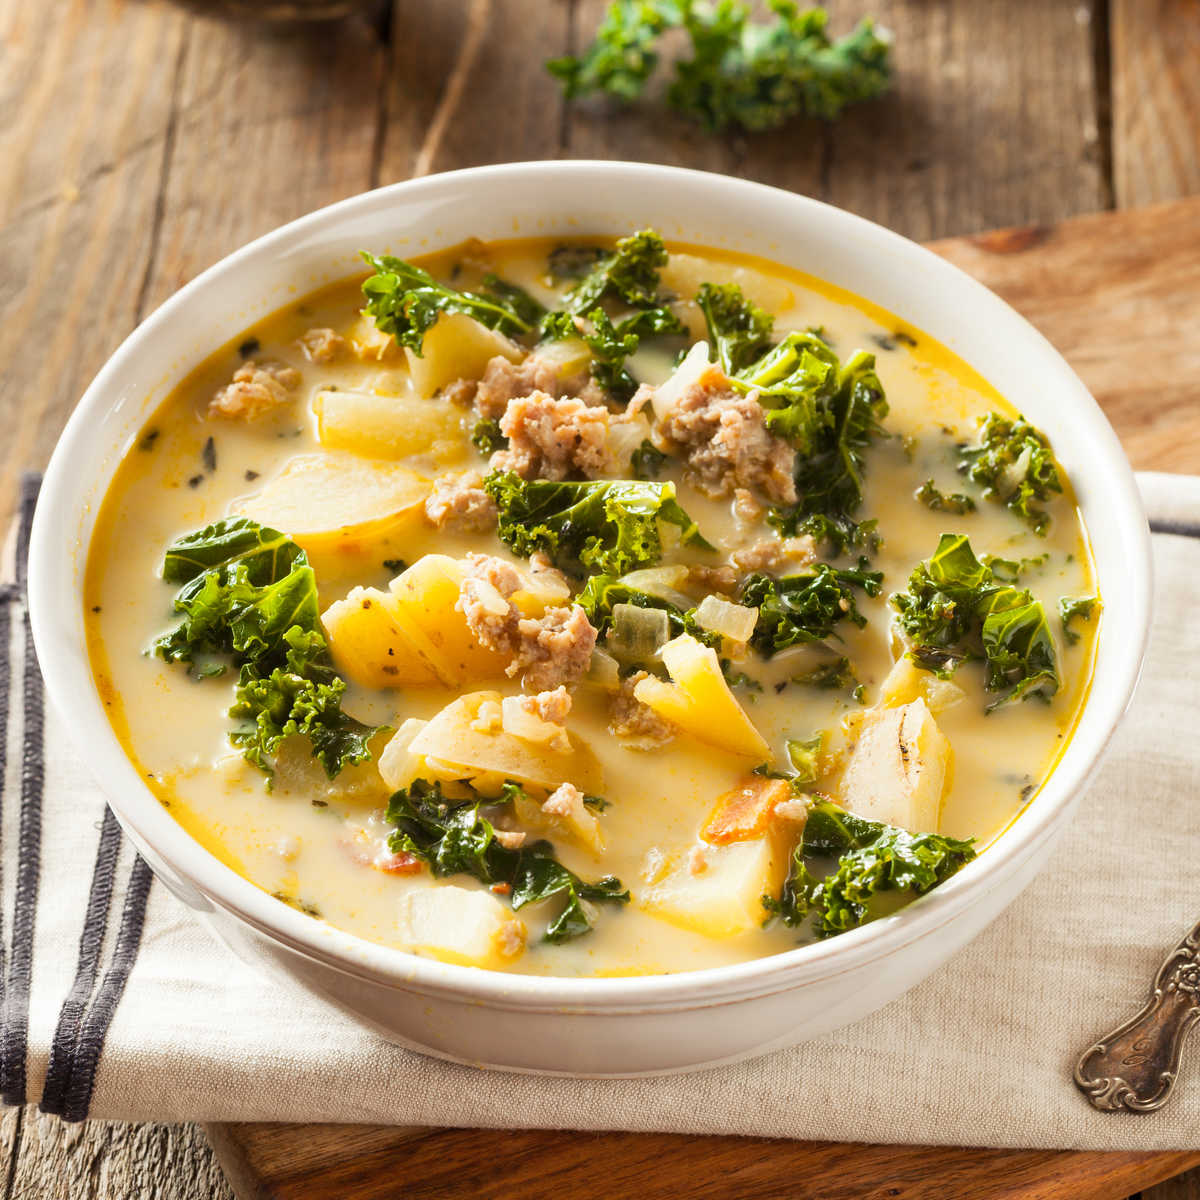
column 1119, row 295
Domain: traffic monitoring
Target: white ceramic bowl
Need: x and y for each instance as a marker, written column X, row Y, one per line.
column 591, row 1026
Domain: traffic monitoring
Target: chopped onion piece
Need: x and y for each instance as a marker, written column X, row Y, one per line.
column 664, row 582
column 733, row 621
column 604, row 670
column 637, row 633
column 694, row 364
column 624, row 437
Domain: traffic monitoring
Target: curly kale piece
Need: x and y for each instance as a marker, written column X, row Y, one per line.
column 831, row 412
column 877, row 869
column 406, row 301
column 1075, row 608
column 938, row 501
column 795, row 609
column 607, row 527
column 738, row 330
column 628, row 275
column 647, row 461
column 249, row 598
column 453, row 838
column 486, row 436
column 741, row 73
column 611, row 344
column 956, row 610
column 1013, row 463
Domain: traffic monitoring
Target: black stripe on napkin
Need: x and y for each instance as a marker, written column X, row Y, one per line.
column 14, row 1019
column 1188, row 529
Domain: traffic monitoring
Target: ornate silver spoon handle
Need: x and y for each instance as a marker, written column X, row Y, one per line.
column 1134, row 1068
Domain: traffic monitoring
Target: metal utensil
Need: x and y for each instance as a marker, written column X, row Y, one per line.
column 1134, row 1068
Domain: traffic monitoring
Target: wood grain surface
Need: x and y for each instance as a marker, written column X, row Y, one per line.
column 144, row 140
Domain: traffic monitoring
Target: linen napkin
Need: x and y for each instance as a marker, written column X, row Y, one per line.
column 116, row 1004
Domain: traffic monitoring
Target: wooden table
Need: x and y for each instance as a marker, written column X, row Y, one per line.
column 143, row 140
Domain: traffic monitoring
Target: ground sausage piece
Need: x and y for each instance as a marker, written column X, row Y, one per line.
column 504, row 381
column 723, row 434
column 549, row 652
column 459, row 502
column 564, row 800
column 553, row 439
column 554, row 649
column 550, row 706
column 629, row 718
column 461, row 392
column 769, row 553
column 322, row 345
column 714, row 579
column 256, row 389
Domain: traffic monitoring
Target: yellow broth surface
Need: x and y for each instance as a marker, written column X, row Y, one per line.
column 309, row 840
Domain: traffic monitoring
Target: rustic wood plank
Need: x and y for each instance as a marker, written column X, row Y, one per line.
column 269, row 122
column 466, row 85
column 1115, row 293
column 1183, row 1187
column 992, row 121
column 289, row 1162
column 1155, row 48
column 98, row 1161
column 84, row 96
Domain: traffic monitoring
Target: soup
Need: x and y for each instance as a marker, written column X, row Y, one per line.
column 590, row 608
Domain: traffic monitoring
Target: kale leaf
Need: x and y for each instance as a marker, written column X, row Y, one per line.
column 830, row 412
column 1013, row 463
column 406, row 301
column 741, row 73
column 454, row 839
column 647, row 461
column 602, row 593
column 604, row 526
column 1071, row 608
column 611, row 344
column 793, row 609
column 939, row 501
column 249, row 597
column 738, row 330
column 486, row 436
column 627, row 275
column 956, row 609
column 872, row 859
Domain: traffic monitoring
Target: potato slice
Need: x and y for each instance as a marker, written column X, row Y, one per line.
column 907, row 682
column 699, row 701
column 460, row 926
column 368, row 644
column 398, row 765
column 425, row 596
column 337, row 504
column 897, row 770
column 724, row 897
column 370, row 343
column 458, row 747
column 457, row 347
column 379, row 426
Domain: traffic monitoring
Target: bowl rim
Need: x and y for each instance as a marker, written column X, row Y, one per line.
column 52, row 559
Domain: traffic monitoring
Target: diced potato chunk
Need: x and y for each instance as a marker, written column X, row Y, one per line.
column 471, row 928
column 906, row 682
column 746, row 812
column 336, row 504
column 425, row 598
column 699, row 701
column 457, row 347
column 369, row 646
column 465, row 748
column 398, row 765
column 897, row 770
column 380, row 426
column 724, row 898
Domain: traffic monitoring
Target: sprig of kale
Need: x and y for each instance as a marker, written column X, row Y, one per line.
column 955, row 610
column 608, row 527
column 871, row 859
column 249, row 597
column 453, row 838
column 741, row 73
column 1013, row 463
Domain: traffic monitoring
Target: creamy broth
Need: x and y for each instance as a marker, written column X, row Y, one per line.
column 310, row 840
